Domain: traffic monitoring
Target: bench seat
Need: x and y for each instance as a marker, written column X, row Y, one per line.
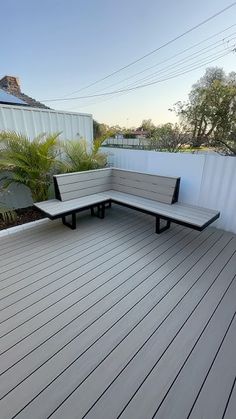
column 149, row 193
column 54, row 208
column 189, row 215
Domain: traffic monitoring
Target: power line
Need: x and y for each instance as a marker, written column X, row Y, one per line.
column 169, row 76
column 136, row 87
column 158, row 48
column 171, row 57
column 190, row 57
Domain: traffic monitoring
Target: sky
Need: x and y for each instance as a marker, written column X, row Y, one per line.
column 57, row 47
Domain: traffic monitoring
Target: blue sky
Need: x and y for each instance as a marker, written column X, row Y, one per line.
column 59, row 46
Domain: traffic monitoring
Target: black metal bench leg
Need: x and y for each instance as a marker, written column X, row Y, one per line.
column 71, row 225
column 160, row 229
column 100, row 213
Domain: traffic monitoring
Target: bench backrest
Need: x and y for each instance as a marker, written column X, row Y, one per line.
column 76, row 185
column 159, row 188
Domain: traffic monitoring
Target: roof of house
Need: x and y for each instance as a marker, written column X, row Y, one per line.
column 8, row 99
column 11, row 85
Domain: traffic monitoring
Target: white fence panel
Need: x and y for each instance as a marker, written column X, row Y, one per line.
column 35, row 121
column 206, row 180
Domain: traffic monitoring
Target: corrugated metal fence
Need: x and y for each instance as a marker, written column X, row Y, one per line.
column 206, row 180
column 35, row 121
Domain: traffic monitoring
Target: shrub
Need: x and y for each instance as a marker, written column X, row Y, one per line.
column 31, row 163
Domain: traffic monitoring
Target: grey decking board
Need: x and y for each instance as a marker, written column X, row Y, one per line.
column 19, row 280
column 147, row 267
column 46, row 301
column 37, row 408
column 13, row 293
column 53, row 246
column 103, row 345
column 43, row 352
column 49, row 238
column 62, row 249
column 107, row 370
column 120, row 287
column 65, row 294
column 162, row 375
column 215, row 391
column 230, row 408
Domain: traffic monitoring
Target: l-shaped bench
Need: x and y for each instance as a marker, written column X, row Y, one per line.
column 148, row 193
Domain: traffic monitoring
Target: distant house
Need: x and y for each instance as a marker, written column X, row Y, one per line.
column 140, row 133
column 11, row 94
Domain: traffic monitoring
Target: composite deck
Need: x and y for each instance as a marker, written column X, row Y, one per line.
column 113, row 321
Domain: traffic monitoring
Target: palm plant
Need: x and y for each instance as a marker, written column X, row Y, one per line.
column 7, row 214
column 77, row 156
column 31, row 163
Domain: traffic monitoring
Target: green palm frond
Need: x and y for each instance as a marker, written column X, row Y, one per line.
column 78, row 157
column 7, row 214
column 30, row 162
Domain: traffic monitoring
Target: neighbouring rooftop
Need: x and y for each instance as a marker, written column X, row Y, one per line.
column 10, row 85
column 113, row 321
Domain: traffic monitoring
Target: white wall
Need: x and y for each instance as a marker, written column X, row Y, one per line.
column 206, row 180
column 34, row 121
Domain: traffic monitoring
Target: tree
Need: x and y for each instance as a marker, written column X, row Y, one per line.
column 148, row 126
column 167, row 137
column 209, row 116
column 31, row 163
column 99, row 130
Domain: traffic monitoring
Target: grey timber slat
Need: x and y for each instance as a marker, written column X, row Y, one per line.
column 177, row 211
column 109, row 369
column 67, row 296
column 55, row 207
column 61, row 240
column 101, row 300
column 213, row 396
column 151, row 178
column 177, row 353
column 230, row 409
column 119, row 324
column 156, row 196
column 100, row 348
column 69, row 178
column 62, row 251
column 39, row 280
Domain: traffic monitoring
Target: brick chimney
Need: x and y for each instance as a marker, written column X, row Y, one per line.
column 11, row 84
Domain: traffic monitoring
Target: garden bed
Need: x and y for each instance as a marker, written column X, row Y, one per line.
column 23, row 216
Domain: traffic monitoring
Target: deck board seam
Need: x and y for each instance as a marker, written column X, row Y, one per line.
column 62, row 252
column 71, row 242
column 101, row 300
column 115, row 345
column 156, row 331
column 55, row 280
column 212, row 363
column 90, row 281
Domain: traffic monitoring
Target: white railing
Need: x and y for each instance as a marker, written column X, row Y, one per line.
column 206, row 180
